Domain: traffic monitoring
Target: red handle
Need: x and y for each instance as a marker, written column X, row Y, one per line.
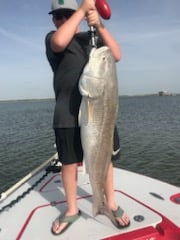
column 103, row 9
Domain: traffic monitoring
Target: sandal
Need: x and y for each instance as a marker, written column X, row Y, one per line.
column 66, row 219
column 118, row 214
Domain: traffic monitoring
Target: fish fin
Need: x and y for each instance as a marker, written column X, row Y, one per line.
column 104, row 210
column 79, row 116
column 85, row 168
column 90, row 112
column 83, row 113
column 95, row 210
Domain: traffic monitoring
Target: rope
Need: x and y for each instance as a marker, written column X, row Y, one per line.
column 52, row 168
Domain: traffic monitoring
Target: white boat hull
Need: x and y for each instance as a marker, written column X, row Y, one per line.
column 153, row 207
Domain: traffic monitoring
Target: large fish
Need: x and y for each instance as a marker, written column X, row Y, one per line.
column 98, row 112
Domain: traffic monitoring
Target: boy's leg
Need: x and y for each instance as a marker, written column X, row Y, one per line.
column 70, row 153
column 69, row 177
column 110, row 196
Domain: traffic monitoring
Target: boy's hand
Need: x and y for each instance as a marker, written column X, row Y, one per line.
column 93, row 19
column 87, row 5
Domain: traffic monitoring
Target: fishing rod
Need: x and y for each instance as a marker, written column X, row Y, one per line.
column 5, row 194
column 104, row 11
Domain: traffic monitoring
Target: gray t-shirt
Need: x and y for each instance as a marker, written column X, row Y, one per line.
column 67, row 67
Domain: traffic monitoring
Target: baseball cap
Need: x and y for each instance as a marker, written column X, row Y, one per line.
column 63, row 4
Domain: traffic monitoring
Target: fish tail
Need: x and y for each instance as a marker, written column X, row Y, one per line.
column 96, row 210
column 104, row 210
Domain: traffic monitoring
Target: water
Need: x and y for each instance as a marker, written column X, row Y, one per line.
column 149, row 130
column 150, row 136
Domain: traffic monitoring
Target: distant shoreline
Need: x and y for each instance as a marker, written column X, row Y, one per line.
column 27, row 100
column 52, row 99
column 150, row 95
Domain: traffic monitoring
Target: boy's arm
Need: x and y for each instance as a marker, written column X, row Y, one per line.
column 65, row 32
column 94, row 20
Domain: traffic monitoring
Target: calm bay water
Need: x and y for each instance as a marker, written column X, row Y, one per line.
column 149, row 129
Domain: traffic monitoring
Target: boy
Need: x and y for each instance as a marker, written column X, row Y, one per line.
column 67, row 51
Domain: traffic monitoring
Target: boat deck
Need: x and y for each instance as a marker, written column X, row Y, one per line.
column 147, row 202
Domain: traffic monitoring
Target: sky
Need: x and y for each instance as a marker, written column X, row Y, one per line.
column 148, row 32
